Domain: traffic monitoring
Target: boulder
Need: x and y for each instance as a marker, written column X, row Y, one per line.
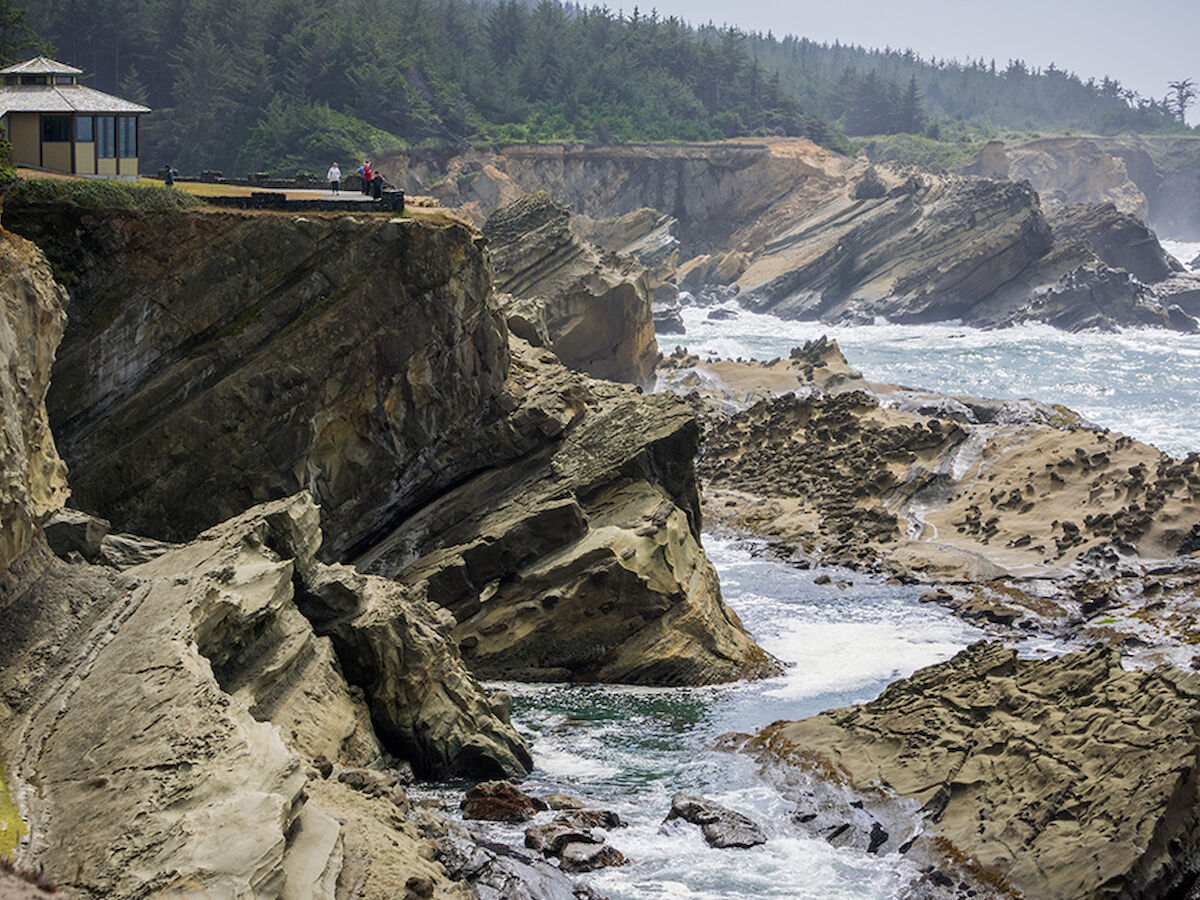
column 497, row 872
column 721, row 826
column 500, row 801
column 587, row 856
column 1066, row 777
column 72, row 531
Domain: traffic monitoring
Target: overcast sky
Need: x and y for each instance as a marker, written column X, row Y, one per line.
column 1142, row 44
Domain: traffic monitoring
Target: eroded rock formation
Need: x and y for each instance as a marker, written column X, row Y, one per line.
column 1067, row 777
column 34, row 480
column 199, row 690
column 795, row 230
column 363, row 359
column 596, row 305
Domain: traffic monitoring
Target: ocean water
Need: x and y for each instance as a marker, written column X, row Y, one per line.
column 630, row 749
column 1141, row 382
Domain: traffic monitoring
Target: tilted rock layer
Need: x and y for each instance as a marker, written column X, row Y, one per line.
column 165, row 713
column 597, row 306
column 799, row 231
column 363, row 358
column 334, row 354
column 33, row 482
column 1066, row 778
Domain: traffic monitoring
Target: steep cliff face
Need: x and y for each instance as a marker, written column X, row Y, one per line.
column 804, row 233
column 1156, row 178
column 363, row 359
column 34, row 480
column 596, row 306
column 1076, row 170
column 294, row 352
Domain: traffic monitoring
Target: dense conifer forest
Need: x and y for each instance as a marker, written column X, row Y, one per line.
column 276, row 85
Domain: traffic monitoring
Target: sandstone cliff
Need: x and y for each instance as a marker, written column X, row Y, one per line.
column 596, row 306
column 363, row 359
column 1065, row 778
column 804, row 233
column 32, row 313
column 1152, row 177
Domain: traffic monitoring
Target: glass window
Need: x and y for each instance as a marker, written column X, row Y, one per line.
column 34, row 79
column 64, row 79
column 105, row 137
column 128, row 135
column 85, row 132
column 56, row 129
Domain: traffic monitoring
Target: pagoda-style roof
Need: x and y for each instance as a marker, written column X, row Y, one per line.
column 41, row 65
column 55, row 97
column 63, row 98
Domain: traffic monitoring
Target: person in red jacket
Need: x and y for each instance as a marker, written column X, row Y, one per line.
column 367, row 176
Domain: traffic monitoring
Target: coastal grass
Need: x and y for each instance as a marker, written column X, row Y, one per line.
column 12, row 828
column 920, row 151
column 91, row 193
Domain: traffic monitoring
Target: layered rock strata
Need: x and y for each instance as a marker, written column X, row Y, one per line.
column 580, row 560
column 363, row 359
column 158, row 720
column 804, row 233
column 33, row 478
column 1059, row 778
column 596, row 305
column 337, row 354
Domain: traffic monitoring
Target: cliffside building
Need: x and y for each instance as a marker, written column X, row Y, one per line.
column 56, row 123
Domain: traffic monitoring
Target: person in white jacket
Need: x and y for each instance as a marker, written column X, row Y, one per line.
column 334, row 176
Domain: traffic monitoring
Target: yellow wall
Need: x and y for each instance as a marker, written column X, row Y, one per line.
column 57, row 156
column 85, row 159
column 106, row 167
column 25, row 132
column 129, row 166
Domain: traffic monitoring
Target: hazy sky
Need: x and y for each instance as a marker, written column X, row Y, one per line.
column 1142, row 44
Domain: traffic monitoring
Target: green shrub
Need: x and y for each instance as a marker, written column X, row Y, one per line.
column 94, row 193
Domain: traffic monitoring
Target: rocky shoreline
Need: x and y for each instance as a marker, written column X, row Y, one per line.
column 338, row 468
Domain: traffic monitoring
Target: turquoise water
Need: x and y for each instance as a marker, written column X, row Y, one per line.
column 629, row 749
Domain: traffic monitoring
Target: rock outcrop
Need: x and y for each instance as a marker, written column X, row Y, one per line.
column 580, row 559
column 364, row 359
column 928, row 486
column 33, row 480
column 1120, row 239
column 330, row 353
column 200, row 689
column 1059, row 778
column 1150, row 176
column 596, row 305
column 795, row 230
column 1076, row 171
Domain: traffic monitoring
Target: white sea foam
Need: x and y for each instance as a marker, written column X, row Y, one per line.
column 1184, row 251
column 1142, row 382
